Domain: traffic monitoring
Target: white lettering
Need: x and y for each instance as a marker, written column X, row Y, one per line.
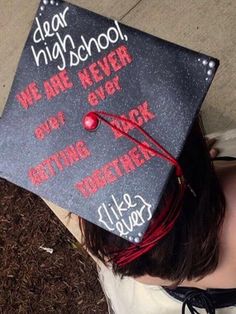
column 64, row 49
column 125, row 214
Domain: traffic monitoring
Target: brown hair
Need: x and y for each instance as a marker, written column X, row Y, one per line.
column 191, row 250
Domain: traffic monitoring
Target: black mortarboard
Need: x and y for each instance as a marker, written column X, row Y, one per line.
column 75, row 62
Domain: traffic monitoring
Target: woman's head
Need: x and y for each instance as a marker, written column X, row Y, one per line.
column 191, row 249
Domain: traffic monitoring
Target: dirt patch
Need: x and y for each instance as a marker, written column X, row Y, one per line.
column 32, row 280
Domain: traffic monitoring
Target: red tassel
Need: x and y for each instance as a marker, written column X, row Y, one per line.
column 165, row 221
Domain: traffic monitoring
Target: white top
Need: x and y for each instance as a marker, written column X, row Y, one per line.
column 128, row 296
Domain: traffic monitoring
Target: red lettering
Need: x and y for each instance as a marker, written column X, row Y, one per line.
column 116, row 125
column 111, row 171
column 80, row 187
column 110, row 89
column 95, row 72
column 61, row 117
column 99, row 179
column 29, row 95
column 85, row 78
column 56, row 84
column 100, row 93
column 135, row 117
column 51, row 165
column 112, row 57
column 25, row 98
column 108, row 174
column 82, row 149
column 147, row 154
column 55, row 158
column 91, row 186
column 34, row 176
column 39, row 134
column 92, row 99
column 35, row 91
column 115, row 81
column 72, row 154
column 138, row 115
column 64, row 158
column 65, row 79
column 45, row 127
column 42, row 173
column 115, row 165
column 124, row 56
column 52, row 123
column 144, row 110
column 136, row 157
column 127, row 163
column 104, row 65
column 126, row 126
column 49, row 91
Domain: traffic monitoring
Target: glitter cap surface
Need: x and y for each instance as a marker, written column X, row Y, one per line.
column 74, row 63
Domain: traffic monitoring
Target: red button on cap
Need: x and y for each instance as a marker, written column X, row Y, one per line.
column 91, row 121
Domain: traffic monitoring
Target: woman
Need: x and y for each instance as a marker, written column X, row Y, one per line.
column 199, row 253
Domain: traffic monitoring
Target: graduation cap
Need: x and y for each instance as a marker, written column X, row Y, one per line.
column 98, row 115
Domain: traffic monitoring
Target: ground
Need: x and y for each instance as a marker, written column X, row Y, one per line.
column 32, row 280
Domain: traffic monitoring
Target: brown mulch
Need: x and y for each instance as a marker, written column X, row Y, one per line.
column 32, row 280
